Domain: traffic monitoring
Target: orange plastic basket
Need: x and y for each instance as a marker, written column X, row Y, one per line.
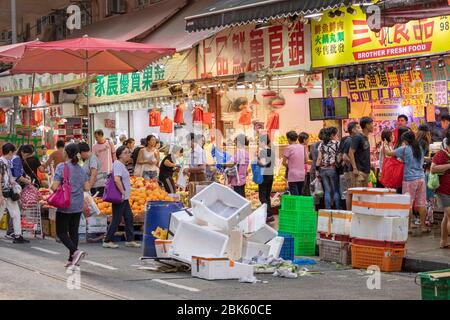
column 387, row 259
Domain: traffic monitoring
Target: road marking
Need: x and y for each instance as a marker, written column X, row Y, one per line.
column 100, row 265
column 45, row 250
column 179, row 286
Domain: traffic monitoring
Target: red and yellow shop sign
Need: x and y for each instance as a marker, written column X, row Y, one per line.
column 348, row 39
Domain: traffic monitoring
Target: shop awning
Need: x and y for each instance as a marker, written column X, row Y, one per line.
column 133, row 26
column 226, row 13
column 174, row 32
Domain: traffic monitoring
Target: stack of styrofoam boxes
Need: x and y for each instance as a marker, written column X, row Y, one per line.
column 220, row 227
column 379, row 228
column 298, row 219
column 334, row 227
column 96, row 228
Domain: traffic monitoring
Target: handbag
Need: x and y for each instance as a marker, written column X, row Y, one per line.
column 112, row 194
column 392, row 173
column 62, row 197
column 257, row 173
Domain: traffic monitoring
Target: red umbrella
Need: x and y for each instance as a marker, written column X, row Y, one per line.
column 88, row 55
column 13, row 52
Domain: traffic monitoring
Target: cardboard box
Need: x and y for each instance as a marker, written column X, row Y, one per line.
column 220, row 206
column 379, row 228
column 162, row 248
column 193, row 240
column 385, row 205
column 263, row 235
column 53, row 229
column 334, row 221
column 212, row 268
column 46, row 227
column 97, row 224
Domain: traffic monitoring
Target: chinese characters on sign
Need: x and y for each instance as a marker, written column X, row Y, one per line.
column 121, row 84
column 246, row 49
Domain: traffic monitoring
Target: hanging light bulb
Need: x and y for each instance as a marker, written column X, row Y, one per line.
column 300, row 89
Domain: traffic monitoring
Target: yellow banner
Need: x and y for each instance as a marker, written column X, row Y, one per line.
column 347, row 39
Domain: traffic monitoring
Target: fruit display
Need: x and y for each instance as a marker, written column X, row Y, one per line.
column 184, row 198
column 253, row 196
column 281, row 140
column 279, row 181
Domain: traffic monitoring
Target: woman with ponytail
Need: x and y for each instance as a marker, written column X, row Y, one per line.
column 412, row 155
column 68, row 219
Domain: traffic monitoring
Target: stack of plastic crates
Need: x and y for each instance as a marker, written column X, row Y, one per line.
column 287, row 251
column 435, row 285
column 298, row 219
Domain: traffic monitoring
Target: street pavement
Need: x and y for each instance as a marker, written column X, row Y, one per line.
column 36, row 271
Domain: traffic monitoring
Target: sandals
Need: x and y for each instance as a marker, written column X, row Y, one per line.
column 444, row 246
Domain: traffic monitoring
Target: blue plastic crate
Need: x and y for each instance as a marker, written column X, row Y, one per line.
column 287, row 251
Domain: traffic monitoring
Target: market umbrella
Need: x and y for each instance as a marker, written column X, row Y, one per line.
column 88, row 55
column 13, row 52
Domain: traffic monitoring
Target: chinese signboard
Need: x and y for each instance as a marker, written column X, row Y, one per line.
column 18, row 85
column 244, row 49
column 348, row 39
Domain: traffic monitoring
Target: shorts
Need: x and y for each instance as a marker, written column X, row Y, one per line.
column 149, row 175
column 445, row 199
column 417, row 191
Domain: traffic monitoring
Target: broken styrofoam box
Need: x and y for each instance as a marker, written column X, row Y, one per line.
column 97, row 224
column 220, row 206
column 379, row 228
column 276, row 244
column 263, row 235
column 334, row 221
column 372, row 191
column 254, row 249
column 212, row 268
column 183, row 215
column 162, row 248
column 255, row 221
column 386, row 205
column 193, row 240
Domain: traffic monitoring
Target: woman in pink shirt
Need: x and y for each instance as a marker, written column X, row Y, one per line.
column 294, row 159
column 241, row 159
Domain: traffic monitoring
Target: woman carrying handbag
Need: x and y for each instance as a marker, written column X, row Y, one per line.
column 118, row 184
column 69, row 185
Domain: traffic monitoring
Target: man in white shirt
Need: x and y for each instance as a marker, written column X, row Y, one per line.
column 197, row 160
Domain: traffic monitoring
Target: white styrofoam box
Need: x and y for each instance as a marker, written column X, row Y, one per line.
column 97, row 224
column 276, row 245
column 162, row 248
column 220, row 206
column 373, row 191
column 334, row 221
column 193, row 240
column 386, row 205
column 175, row 219
column 255, row 221
column 379, row 228
column 253, row 249
column 263, row 235
column 211, row 268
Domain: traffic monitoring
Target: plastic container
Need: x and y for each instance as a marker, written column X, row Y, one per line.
column 287, row 251
column 220, row 206
column 193, row 240
column 379, row 228
column 335, row 251
column 305, row 244
column 387, row 259
column 157, row 214
column 376, row 243
column 435, row 285
column 297, row 222
column 297, row 203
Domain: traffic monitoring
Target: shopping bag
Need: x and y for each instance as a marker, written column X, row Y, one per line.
column 392, row 173
column 433, row 181
column 62, row 197
column 181, row 181
column 91, row 206
column 112, row 194
column 317, row 187
column 257, row 173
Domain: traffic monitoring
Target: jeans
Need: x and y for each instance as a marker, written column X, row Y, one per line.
column 119, row 210
column 264, row 191
column 240, row 190
column 14, row 212
column 149, row 175
column 330, row 181
column 67, row 225
column 296, row 188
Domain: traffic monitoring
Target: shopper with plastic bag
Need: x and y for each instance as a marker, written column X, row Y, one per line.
column 294, row 159
column 266, row 162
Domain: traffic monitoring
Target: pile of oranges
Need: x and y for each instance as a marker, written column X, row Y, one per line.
column 104, row 207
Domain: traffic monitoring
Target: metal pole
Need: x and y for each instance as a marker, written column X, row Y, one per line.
column 30, row 115
column 13, row 22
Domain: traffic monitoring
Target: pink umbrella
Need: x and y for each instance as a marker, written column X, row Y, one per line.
column 13, row 52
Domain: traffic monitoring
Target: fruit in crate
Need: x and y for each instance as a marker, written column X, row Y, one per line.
column 104, row 207
column 282, row 140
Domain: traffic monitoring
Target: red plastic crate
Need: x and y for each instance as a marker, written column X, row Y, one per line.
column 387, row 259
column 335, row 237
column 377, row 243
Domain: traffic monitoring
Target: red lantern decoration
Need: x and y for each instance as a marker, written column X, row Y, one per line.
column 269, row 94
column 278, row 102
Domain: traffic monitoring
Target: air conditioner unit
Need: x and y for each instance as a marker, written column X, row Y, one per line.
column 116, row 7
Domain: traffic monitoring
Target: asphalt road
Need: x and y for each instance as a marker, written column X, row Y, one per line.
column 36, row 271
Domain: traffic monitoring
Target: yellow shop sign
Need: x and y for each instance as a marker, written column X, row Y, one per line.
column 347, row 39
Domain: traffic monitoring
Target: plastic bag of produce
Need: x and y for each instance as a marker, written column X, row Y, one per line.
column 91, row 208
column 317, row 188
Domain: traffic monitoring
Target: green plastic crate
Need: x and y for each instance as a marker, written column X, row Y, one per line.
column 297, row 203
column 434, row 289
column 304, row 243
column 299, row 223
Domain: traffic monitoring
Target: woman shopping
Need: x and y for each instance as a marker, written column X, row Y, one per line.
column 148, row 160
column 68, row 219
column 413, row 175
column 123, row 209
column 266, row 160
column 168, row 168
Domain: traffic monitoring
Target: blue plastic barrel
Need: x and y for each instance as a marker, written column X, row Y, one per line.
column 157, row 214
